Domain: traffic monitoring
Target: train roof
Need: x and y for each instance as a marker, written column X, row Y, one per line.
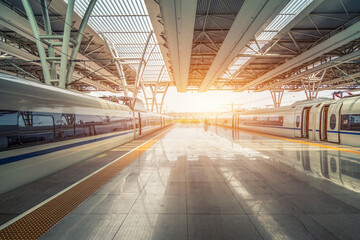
column 310, row 101
column 39, row 92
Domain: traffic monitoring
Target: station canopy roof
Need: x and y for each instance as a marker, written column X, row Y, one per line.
column 125, row 25
column 197, row 45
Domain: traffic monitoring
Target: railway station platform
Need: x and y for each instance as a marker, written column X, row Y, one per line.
column 195, row 182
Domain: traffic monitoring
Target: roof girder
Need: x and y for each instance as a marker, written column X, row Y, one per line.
column 179, row 20
column 21, row 26
column 252, row 16
column 336, row 41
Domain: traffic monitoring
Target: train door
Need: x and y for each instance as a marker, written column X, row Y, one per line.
column 305, row 123
column 333, row 124
column 312, row 122
column 297, row 120
column 324, row 123
column 139, row 123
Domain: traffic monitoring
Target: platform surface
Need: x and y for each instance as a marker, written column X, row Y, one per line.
column 201, row 182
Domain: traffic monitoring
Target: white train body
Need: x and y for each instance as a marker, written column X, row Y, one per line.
column 336, row 121
column 44, row 129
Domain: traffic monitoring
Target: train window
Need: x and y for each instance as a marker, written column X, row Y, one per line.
column 355, row 122
column 350, row 122
column 332, row 121
column 67, row 127
column 33, row 120
column 344, row 122
column 35, row 128
column 8, row 118
column 8, row 129
column 297, row 121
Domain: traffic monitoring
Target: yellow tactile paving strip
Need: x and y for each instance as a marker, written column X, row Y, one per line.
column 42, row 219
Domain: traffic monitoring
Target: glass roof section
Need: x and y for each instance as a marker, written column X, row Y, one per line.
column 126, row 26
column 290, row 11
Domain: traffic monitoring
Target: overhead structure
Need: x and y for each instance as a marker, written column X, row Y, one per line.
column 260, row 45
column 277, row 96
column 50, row 61
column 85, row 45
column 91, row 71
column 126, row 46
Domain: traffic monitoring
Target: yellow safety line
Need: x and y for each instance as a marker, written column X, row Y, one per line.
column 41, row 218
column 302, row 142
column 101, row 155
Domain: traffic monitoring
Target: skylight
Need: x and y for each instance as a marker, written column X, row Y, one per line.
column 290, row 11
column 126, row 25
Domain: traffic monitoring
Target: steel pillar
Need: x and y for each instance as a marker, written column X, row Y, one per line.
column 312, row 83
column 115, row 55
column 141, row 68
column 39, row 44
column 277, row 95
column 51, row 40
column 157, row 89
column 163, row 98
column 78, row 40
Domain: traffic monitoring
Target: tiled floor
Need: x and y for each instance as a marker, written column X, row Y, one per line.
column 198, row 183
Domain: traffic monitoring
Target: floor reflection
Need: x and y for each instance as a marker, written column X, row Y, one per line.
column 214, row 183
column 342, row 168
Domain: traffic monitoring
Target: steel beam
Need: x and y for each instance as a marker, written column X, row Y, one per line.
column 338, row 85
column 65, row 43
column 47, row 25
column 119, row 67
column 179, row 21
column 311, row 7
column 253, row 15
column 78, row 40
column 277, row 97
column 163, row 98
column 336, row 41
column 335, row 80
column 21, row 26
column 311, row 84
column 20, row 54
column 337, row 61
column 39, row 44
column 141, row 67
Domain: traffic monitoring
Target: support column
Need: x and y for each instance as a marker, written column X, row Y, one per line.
column 39, row 44
column 50, row 61
column 156, row 88
column 163, row 98
column 277, row 95
column 312, row 83
column 115, row 55
column 141, row 68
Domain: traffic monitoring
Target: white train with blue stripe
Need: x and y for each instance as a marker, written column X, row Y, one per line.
column 44, row 129
column 329, row 120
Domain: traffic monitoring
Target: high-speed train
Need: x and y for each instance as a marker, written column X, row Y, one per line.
column 44, row 129
column 329, row 120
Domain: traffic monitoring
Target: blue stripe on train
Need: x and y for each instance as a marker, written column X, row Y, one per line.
column 54, row 149
column 350, row 133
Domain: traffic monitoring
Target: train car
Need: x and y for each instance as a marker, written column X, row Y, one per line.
column 44, row 129
column 336, row 121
